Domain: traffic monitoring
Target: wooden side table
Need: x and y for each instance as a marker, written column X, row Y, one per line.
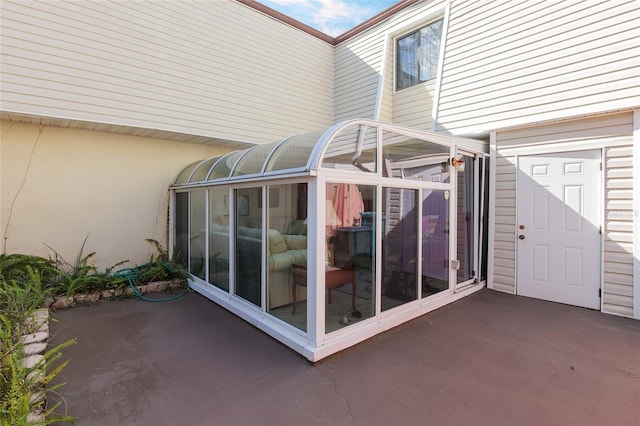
column 334, row 278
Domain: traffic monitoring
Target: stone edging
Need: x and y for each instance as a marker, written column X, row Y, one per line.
column 64, row 302
column 34, row 345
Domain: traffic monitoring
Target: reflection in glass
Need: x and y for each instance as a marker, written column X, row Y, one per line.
column 399, row 246
column 287, row 253
column 197, row 239
column 350, row 251
column 219, row 238
column 254, row 160
column 353, row 148
column 181, row 250
column 404, row 155
column 484, row 232
column 201, row 172
column 466, row 216
column 294, row 152
column 249, row 244
column 222, row 168
column 183, row 177
column 435, row 241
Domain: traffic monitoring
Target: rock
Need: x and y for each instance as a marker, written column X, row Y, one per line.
column 63, row 302
column 31, row 360
column 86, row 298
column 35, row 337
column 36, row 418
column 34, row 348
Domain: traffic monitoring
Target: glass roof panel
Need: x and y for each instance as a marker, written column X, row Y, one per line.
column 347, row 146
column 222, row 169
column 254, row 160
column 406, row 152
column 201, row 172
column 294, row 152
column 353, row 148
column 185, row 173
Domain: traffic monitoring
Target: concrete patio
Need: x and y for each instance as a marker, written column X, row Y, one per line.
column 489, row 359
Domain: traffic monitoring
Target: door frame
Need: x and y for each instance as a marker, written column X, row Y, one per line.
column 532, row 151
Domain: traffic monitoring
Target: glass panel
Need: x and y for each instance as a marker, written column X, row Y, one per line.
column 466, row 216
column 484, row 172
column 401, row 152
column 294, row 152
column 197, row 238
column 407, row 67
column 249, row 244
column 399, row 247
column 417, row 56
column 219, row 238
column 350, row 251
column 429, row 50
column 254, row 160
column 287, row 253
column 203, row 170
column 185, row 173
column 435, row 241
column 181, row 248
column 223, row 168
column 353, row 148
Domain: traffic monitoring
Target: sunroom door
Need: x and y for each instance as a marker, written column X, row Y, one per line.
column 466, row 218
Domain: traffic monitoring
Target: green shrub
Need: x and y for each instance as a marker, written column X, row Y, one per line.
column 19, row 298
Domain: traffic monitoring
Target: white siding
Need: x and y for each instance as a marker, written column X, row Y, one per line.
column 504, row 267
column 614, row 134
column 512, row 63
column 413, row 105
column 217, row 69
column 360, row 66
column 618, row 230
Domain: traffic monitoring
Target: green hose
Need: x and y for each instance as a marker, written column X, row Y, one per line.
column 134, row 273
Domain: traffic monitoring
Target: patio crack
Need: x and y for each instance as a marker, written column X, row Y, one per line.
column 337, row 391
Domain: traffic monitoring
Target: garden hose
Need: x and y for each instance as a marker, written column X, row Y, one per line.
column 133, row 273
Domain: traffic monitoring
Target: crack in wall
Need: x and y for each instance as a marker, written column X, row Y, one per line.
column 15, row 198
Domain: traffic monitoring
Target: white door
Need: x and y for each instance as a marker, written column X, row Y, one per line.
column 558, row 246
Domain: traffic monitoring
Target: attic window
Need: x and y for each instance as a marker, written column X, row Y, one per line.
column 417, row 55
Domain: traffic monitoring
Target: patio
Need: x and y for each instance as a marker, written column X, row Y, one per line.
column 488, row 359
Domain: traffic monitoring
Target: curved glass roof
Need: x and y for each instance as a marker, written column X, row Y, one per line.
column 353, row 145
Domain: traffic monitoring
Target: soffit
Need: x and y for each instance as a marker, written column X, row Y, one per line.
column 124, row 130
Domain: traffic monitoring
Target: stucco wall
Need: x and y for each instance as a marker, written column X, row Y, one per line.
column 60, row 185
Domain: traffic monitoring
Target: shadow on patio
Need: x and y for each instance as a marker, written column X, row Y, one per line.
column 488, row 359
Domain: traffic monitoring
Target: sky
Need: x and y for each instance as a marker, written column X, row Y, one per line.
column 332, row 17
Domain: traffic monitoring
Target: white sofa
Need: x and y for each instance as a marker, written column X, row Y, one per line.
column 283, row 251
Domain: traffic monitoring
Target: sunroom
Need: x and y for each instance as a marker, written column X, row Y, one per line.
column 325, row 239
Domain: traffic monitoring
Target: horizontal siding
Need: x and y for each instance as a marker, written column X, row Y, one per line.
column 613, row 132
column 413, row 106
column 158, row 65
column 504, row 254
column 359, row 68
column 618, row 229
column 513, row 63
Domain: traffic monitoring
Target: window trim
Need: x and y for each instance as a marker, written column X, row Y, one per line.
column 396, row 51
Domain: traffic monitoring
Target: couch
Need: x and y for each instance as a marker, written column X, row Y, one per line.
column 283, row 251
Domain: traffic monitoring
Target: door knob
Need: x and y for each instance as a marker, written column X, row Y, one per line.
column 521, row 237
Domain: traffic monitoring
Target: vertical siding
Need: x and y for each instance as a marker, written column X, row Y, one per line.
column 513, row 63
column 614, row 134
column 188, row 67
